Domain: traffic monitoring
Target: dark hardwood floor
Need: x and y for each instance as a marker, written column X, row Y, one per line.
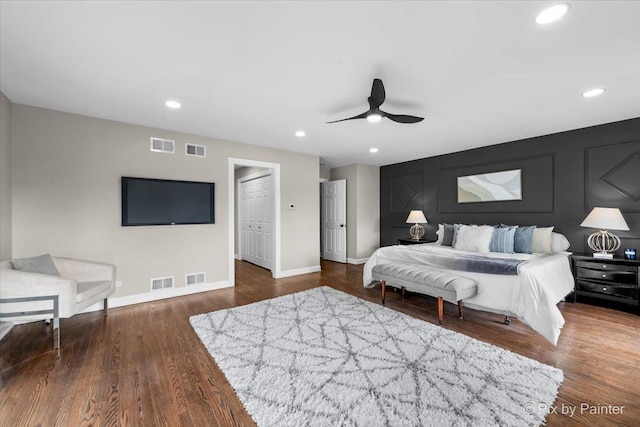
column 144, row 365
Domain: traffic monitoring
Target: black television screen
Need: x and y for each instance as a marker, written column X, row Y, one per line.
column 163, row 202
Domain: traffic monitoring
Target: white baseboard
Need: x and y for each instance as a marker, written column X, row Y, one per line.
column 298, row 271
column 238, row 257
column 357, row 261
column 159, row 294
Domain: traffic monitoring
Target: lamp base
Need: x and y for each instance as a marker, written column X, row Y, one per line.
column 602, row 255
column 416, row 231
column 603, row 244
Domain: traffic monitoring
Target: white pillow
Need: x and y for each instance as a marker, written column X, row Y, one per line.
column 541, row 243
column 474, row 238
column 559, row 243
column 440, row 234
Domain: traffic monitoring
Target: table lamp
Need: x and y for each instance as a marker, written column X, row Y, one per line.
column 416, row 218
column 603, row 243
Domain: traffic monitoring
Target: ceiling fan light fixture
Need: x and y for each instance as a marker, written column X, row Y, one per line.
column 374, row 117
column 552, row 14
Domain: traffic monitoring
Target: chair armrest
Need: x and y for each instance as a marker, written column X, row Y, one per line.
column 85, row 271
column 15, row 284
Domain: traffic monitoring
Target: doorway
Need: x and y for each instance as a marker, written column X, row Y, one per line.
column 275, row 245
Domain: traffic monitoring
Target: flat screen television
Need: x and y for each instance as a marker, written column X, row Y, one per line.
column 148, row 201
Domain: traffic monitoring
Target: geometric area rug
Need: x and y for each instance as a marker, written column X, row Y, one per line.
column 325, row 358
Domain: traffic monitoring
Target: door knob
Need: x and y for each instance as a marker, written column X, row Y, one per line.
column 341, row 225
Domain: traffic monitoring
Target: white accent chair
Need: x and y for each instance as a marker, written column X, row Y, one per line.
column 32, row 296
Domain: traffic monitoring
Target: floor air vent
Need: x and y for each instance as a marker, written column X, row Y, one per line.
column 163, row 145
column 161, row 283
column 195, row 150
column 195, row 279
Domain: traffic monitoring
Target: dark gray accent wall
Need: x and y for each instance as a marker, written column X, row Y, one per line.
column 564, row 175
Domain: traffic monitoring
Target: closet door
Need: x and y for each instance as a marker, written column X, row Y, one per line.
column 264, row 222
column 247, row 221
column 257, row 221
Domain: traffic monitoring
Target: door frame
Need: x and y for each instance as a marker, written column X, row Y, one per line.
column 239, row 182
column 275, row 167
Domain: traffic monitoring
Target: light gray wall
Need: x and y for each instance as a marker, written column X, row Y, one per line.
column 368, row 210
column 350, row 174
column 5, row 177
column 363, row 208
column 66, row 173
column 325, row 173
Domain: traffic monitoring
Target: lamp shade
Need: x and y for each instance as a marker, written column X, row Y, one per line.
column 605, row 219
column 417, row 217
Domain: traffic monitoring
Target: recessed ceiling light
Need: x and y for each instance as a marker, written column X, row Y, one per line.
column 552, row 14
column 593, row 92
column 173, row 104
column 373, row 150
column 300, row 133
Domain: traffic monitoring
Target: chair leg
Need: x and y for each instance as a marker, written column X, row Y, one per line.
column 56, row 333
column 56, row 322
column 105, row 308
column 440, row 310
column 460, row 309
column 403, row 292
column 384, row 290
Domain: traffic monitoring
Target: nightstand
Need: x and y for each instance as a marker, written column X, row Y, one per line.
column 413, row 241
column 607, row 279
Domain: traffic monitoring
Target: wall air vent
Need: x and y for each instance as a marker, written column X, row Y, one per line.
column 195, row 279
column 160, row 145
column 195, row 150
column 161, row 283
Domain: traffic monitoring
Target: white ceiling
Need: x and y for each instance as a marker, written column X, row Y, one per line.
column 255, row 72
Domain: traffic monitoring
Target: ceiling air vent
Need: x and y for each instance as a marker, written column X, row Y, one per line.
column 195, row 279
column 160, row 145
column 195, row 150
column 161, row 283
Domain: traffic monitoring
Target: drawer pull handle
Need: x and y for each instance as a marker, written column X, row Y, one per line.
column 604, row 265
column 604, row 289
column 604, row 275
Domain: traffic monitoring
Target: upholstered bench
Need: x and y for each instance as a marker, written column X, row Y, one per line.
column 428, row 281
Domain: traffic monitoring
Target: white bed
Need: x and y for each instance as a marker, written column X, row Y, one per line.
column 532, row 295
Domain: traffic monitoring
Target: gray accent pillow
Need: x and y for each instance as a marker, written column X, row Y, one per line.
column 523, row 239
column 42, row 264
column 447, row 238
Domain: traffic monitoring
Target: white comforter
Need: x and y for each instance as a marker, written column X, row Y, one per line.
column 531, row 296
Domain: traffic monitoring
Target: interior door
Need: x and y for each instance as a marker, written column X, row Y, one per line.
column 256, row 229
column 334, row 220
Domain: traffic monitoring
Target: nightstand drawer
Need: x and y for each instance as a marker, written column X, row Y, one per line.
column 618, row 276
column 603, row 265
column 630, row 292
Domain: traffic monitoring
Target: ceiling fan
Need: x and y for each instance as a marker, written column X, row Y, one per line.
column 375, row 114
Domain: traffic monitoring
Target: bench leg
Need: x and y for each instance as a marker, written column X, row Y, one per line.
column 440, row 310
column 403, row 290
column 383, row 286
column 105, row 308
column 460, row 309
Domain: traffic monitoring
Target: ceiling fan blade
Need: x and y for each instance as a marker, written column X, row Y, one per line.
column 377, row 94
column 359, row 116
column 402, row 118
